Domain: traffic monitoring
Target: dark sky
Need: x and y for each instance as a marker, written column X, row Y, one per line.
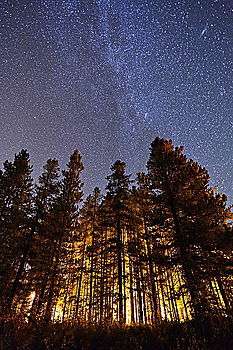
column 108, row 76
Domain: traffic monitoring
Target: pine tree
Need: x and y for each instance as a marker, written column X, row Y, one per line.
column 145, row 199
column 92, row 205
column 46, row 195
column 192, row 215
column 15, row 222
column 117, row 197
column 64, row 217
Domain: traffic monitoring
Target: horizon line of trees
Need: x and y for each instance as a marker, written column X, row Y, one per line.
column 155, row 249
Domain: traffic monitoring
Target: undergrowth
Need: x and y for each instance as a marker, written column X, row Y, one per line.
column 17, row 333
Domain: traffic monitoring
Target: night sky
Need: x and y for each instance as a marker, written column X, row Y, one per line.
column 108, row 76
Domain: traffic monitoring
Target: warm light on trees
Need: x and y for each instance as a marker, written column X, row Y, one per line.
column 158, row 249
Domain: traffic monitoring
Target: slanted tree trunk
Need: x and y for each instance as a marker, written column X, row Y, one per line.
column 80, row 279
column 223, row 294
column 20, row 270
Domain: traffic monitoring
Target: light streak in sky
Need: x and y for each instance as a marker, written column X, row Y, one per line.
column 204, row 30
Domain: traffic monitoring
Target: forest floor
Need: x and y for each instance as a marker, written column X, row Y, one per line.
column 205, row 334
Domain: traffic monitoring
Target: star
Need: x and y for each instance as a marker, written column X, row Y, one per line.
column 107, row 77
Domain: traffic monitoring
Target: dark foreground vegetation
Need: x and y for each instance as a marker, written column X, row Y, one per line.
column 214, row 334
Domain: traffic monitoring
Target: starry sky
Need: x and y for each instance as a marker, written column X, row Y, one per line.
column 108, row 76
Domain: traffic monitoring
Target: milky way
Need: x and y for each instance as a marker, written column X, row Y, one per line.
column 107, row 77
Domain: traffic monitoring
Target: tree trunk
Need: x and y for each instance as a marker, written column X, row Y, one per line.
column 119, row 264
column 80, row 279
column 152, row 277
column 20, row 270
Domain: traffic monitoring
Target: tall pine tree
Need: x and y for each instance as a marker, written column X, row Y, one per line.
column 15, row 223
column 117, row 197
column 196, row 215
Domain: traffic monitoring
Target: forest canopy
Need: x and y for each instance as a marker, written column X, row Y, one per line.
column 151, row 249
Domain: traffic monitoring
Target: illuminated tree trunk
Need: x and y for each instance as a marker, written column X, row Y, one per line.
column 152, row 276
column 143, row 297
column 223, row 293
column 119, row 272
column 91, row 279
column 92, row 255
column 80, row 278
column 131, row 292
column 184, row 297
column 103, row 261
column 139, row 294
column 124, row 277
column 171, row 278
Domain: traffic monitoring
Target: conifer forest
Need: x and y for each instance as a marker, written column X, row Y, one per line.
column 147, row 264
